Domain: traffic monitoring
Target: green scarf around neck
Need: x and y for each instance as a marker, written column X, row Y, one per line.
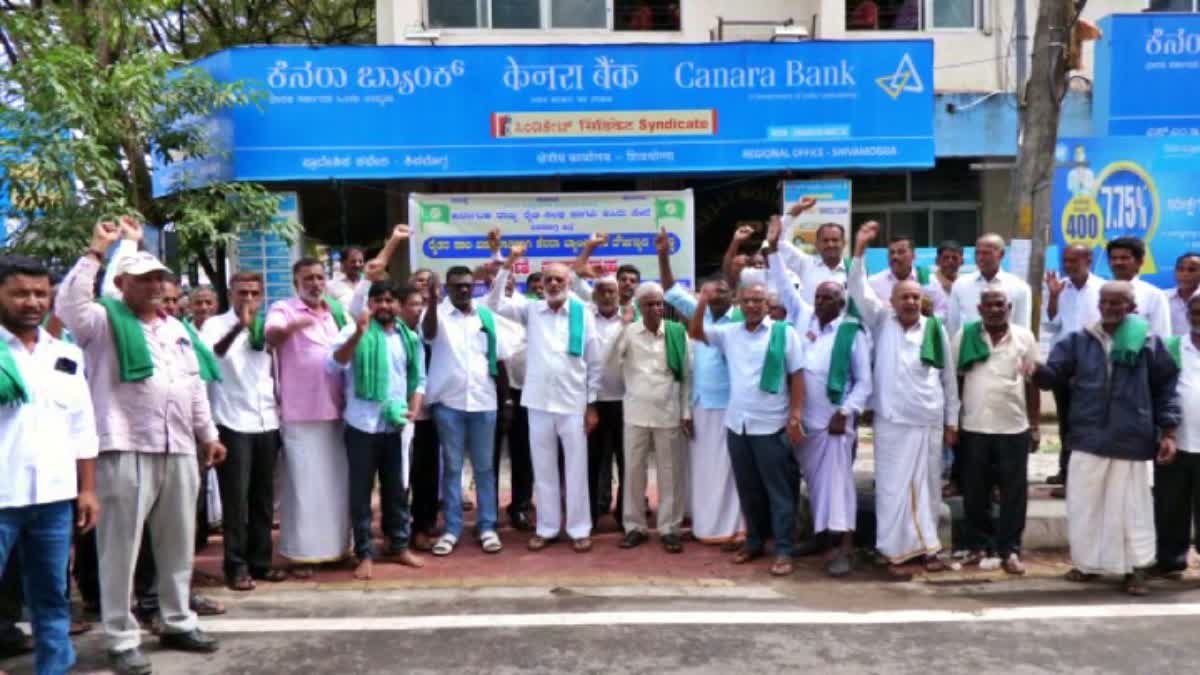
column 973, row 348
column 258, row 334
column 734, row 314
column 933, row 352
column 134, row 362
column 676, row 337
column 774, row 367
column 210, row 370
column 337, row 310
column 1128, row 340
column 1175, row 349
column 575, row 311
column 840, row 360
column 12, row 386
column 488, row 321
column 922, row 275
column 372, row 369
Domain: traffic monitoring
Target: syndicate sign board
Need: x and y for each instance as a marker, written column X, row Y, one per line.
column 1147, row 75
column 1112, row 187
column 452, row 229
column 511, row 110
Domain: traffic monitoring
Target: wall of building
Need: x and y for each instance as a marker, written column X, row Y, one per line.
column 978, row 60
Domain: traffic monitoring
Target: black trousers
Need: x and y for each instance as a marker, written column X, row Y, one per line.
column 520, row 461
column 605, row 444
column 1176, row 508
column 994, row 461
column 247, row 480
column 1062, row 406
column 424, row 477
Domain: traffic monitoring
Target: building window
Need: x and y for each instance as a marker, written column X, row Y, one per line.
column 927, row 206
column 1174, row 6
column 637, row 15
column 646, row 14
column 913, row 14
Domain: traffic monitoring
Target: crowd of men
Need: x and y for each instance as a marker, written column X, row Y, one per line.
column 113, row 409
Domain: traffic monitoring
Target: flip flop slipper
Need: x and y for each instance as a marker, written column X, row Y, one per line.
column 445, row 545
column 582, row 545
column 273, row 576
column 743, row 556
column 490, row 542
column 241, row 583
column 206, row 606
column 782, row 568
column 302, row 572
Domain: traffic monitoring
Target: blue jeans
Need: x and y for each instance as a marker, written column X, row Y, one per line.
column 765, row 471
column 461, row 433
column 368, row 455
column 44, row 534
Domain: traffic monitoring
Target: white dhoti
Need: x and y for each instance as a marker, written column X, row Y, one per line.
column 906, row 520
column 1110, row 514
column 828, row 462
column 716, row 513
column 314, row 513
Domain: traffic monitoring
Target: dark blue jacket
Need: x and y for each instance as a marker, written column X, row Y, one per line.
column 1118, row 416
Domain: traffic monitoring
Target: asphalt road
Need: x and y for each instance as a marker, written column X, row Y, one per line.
column 1019, row 626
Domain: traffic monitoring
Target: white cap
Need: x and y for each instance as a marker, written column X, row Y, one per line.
column 140, row 263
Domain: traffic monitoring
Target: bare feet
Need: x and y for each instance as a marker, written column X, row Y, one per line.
column 408, row 559
column 365, row 569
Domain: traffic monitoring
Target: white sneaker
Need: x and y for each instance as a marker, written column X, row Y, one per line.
column 990, row 563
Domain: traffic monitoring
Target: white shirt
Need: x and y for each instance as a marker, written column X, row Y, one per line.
column 1078, row 308
column 963, row 306
column 993, row 393
column 811, row 269
column 458, row 373
column 367, row 416
column 798, row 305
column 1187, row 438
column 883, row 283
column 751, row 410
column 1180, row 325
column 342, row 289
column 41, row 440
column 907, row 391
column 612, row 384
column 1153, row 306
column 244, row 399
column 653, row 397
column 555, row 381
column 818, row 351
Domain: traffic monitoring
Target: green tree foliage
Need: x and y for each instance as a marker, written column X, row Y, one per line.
column 94, row 93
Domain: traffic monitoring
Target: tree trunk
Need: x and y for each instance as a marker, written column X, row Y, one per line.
column 1040, row 111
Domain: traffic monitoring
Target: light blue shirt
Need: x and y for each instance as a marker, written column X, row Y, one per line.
column 367, row 416
column 751, row 410
column 710, row 373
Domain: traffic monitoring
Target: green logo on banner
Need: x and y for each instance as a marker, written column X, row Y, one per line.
column 668, row 209
column 435, row 213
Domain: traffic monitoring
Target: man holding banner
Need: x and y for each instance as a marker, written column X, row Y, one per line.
column 560, row 386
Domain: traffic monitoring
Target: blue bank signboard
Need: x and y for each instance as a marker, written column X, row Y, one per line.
column 1148, row 75
column 1106, row 188
column 394, row 112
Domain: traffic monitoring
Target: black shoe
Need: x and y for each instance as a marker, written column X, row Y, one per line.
column 633, row 539
column 129, row 662
column 1059, row 478
column 17, row 644
column 521, row 521
column 672, row 543
column 192, row 641
column 1167, row 571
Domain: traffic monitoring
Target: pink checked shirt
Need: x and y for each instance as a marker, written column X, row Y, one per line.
column 308, row 392
column 164, row 413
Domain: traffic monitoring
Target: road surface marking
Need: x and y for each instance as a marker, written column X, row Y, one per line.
column 686, row 618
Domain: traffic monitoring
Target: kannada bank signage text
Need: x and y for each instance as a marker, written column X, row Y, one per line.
column 392, row 112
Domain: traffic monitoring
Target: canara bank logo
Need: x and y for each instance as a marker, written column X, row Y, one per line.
column 904, row 79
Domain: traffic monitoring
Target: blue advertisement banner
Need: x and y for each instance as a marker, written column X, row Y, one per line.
column 1106, row 188
column 409, row 111
column 1148, row 75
